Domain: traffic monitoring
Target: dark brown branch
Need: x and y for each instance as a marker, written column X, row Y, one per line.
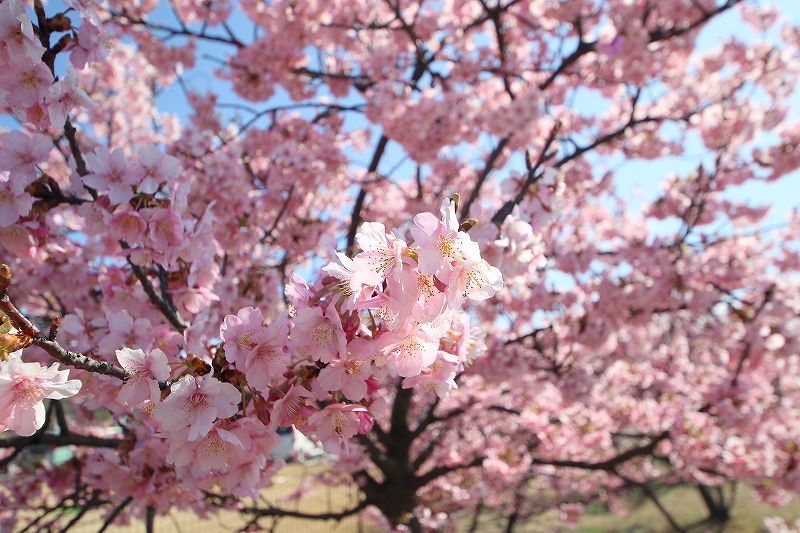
column 149, row 519
column 585, row 47
column 274, row 511
column 651, row 495
column 90, row 503
column 172, row 32
column 115, row 513
column 69, row 439
column 531, row 178
column 169, row 312
column 439, row 471
column 355, row 217
column 608, row 465
column 487, row 168
column 53, row 348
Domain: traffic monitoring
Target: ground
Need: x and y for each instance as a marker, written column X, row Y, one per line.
column 685, row 504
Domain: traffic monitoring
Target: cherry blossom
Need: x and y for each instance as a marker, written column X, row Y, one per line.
column 110, row 173
column 13, row 205
column 146, row 371
column 424, row 242
column 19, row 154
column 24, row 386
column 195, row 403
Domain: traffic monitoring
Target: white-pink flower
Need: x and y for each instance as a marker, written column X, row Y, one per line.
column 381, row 256
column 440, row 246
column 348, row 375
column 216, row 449
column 109, row 172
column 335, row 424
column 319, row 335
column 23, row 386
column 348, row 285
column 241, row 332
column 165, row 228
column 475, row 279
column 269, row 359
column 152, row 168
column 146, row 370
column 16, row 31
column 19, row 154
column 13, row 204
column 124, row 330
column 195, row 403
column 26, row 82
column 414, row 351
column 65, row 95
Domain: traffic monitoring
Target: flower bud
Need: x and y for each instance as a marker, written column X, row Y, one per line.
column 5, row 277
column 456, row 199
column 11, row 342
column 468, row 224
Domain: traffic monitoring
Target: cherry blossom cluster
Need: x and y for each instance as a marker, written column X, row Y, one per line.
column 639, row 340
column 394, row 309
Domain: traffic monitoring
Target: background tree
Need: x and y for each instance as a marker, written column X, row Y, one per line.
column 157, row 222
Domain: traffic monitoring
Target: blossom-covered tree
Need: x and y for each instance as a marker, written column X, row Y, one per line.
column 389, row 225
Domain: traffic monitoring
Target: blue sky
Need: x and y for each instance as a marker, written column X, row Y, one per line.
column 635, row 179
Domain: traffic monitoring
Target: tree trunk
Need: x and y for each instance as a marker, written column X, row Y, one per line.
column 718, row 511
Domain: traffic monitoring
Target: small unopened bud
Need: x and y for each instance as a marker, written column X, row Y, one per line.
column 468, row 224
column 409, row 252
column 11, row 342
column 59, row 22
column 197, row 366
column 456, row 199
column 5, row 277
column 54, row 325
column 744, row 312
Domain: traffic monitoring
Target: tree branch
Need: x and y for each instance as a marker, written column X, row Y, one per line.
column 487, row 168
column 355, row 217
column 169, row 311
column 53, row 348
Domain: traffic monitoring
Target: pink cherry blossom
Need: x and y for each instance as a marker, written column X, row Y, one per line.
column 13, row 205
column 318, row 335
column 440, row 244
column 16, row 31
column 291, row 408
column 348, row 375
column 349, row 287
column 128, row 225
column 214, row 449
column 19, row 154
column 124, row 330
column 381, row 254
column 151, row 168
column 146, row 371
column 195, row 403
column 335, row 424
column 23, row 386
column 164, row 228
column 413, row 351
column 18, row 240
column 242, row 332
column 270, row 357
column 66, row 95
column 87, row 48
column 109, row 172
column 26, row 82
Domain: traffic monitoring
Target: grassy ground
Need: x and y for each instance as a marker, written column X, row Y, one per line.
column 684, row 504
column 320, row 500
